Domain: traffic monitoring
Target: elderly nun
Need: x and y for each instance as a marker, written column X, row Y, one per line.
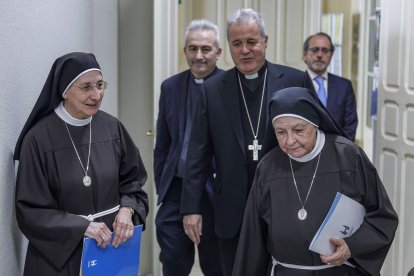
column 79, row 173
column 294, row 187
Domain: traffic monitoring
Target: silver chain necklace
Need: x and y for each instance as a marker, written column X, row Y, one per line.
column 302, row 214
column 86, row 179
column 255, row 147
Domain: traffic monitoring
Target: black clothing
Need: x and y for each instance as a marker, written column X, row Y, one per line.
column 50, row 194
column 271, row 226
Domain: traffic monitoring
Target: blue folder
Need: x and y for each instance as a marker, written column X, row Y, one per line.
column 123, row 260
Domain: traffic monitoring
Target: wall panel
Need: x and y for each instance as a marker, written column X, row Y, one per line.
column 408, row 121
column 271, row 15
column 410, row 53
column 392, row 57
column 407, row 213
column 390, row 120
column 294, row 32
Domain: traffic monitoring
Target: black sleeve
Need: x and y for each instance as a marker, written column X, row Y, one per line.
column 199, row 160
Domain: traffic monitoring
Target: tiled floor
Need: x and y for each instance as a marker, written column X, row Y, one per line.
column 196, row 271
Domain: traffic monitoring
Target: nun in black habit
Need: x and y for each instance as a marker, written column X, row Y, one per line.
column 79, row 173
column 294, row 187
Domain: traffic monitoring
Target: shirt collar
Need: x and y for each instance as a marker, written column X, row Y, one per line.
column 313, row 75
column 200, row 81
column 256, row 75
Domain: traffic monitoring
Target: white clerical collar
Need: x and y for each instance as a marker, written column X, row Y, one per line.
column 198, row 81
column 251, row 76
column 320, row 142
column 65, row 116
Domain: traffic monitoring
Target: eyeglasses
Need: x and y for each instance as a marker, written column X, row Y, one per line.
column 316, row 50
column 192, row 50
column 87, row 87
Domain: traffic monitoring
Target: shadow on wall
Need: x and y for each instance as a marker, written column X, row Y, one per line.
column 16, row 245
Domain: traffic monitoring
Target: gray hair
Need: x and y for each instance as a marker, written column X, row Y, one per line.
column 203, row 25
column 307, row 41
column 247, row 16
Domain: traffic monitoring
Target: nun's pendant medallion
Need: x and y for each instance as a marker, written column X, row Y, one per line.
column 302, row 214
column 87, row 181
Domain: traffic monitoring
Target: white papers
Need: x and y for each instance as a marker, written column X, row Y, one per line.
column 344, row 217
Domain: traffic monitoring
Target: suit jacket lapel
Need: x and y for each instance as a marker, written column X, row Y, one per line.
column 274, row 83
column 331, row 89
column 181, row 103
column 231, row 101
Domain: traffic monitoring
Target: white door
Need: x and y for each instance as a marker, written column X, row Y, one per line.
column 395, row 131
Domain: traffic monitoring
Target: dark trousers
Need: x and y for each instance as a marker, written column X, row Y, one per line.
column 228, row 249
column 177, row 250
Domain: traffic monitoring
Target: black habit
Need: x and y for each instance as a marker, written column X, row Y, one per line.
column 271, row 227
column 50, row 194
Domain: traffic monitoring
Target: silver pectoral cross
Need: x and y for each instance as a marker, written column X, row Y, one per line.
column 255, row 148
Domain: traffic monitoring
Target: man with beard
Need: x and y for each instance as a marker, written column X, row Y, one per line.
column 335, row 92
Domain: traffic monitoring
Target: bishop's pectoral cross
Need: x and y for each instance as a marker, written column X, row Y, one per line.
column 255, row 148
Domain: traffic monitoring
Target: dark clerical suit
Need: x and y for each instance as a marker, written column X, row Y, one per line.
column 217, row 131
column 177, row 250
column 341, row 103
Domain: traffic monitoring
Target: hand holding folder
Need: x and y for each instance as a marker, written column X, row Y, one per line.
column 123, row 260
column 344, row 217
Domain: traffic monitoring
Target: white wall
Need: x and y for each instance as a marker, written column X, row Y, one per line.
column 32, row 35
